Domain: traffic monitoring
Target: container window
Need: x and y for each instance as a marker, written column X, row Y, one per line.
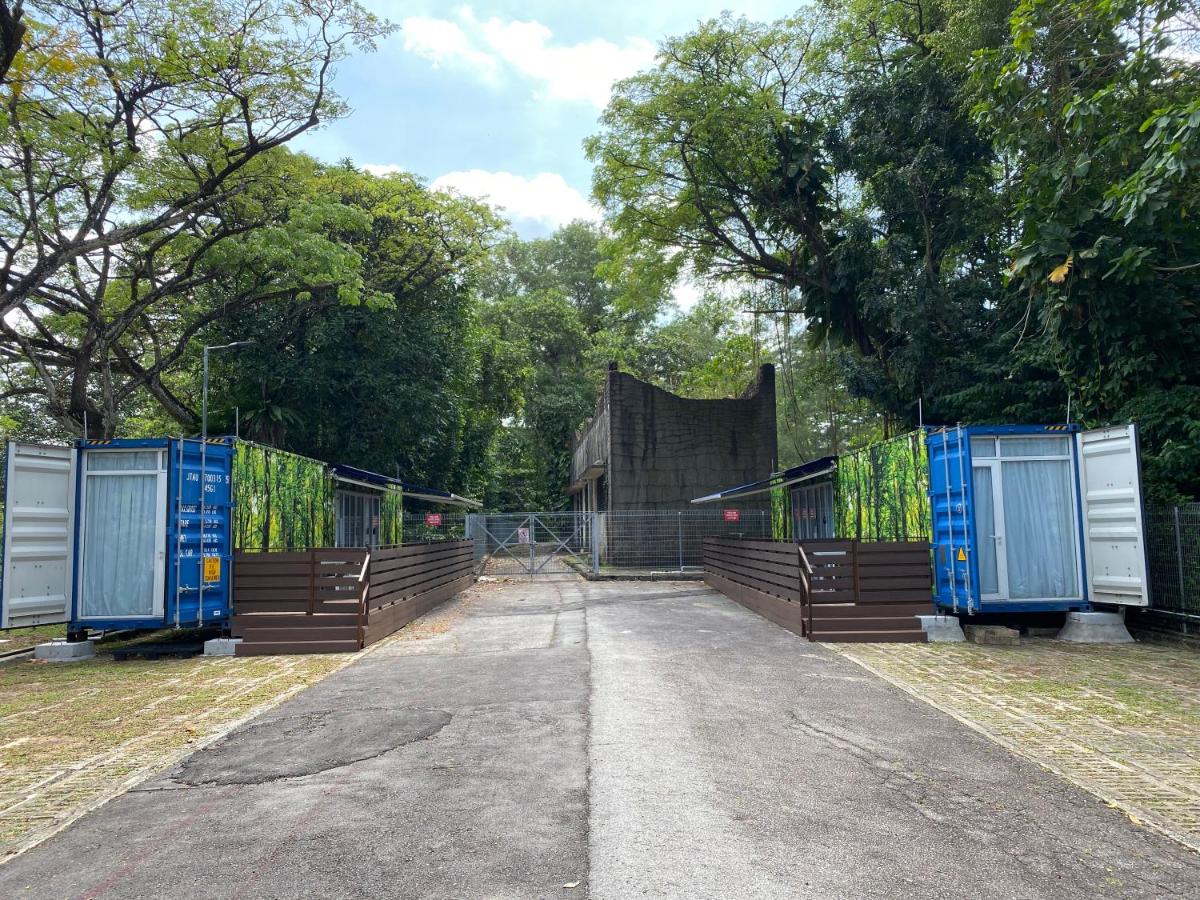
column 124, row 461
column 983, row 447
column 1038, row 445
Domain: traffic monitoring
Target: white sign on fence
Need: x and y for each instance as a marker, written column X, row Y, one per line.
column 522, row 535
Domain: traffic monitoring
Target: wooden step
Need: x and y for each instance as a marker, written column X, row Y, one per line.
column 870, row 610
column 281, row 647
column 864, row 623
column 297, row 635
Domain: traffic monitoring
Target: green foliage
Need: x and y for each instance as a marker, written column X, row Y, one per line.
column 986, row 206
column 1096, row 110
column 411, row 383
column 882, row 492
column 141, row 165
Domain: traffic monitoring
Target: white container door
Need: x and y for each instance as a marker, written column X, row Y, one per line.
column 123, row 541
column 1110, row 483
column 39, row 519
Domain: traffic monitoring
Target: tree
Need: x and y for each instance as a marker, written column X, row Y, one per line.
column 12, row 33
column 1096, row 108
column 837, row 163
column 136, row 138
column 414, row 386
column 106, row 339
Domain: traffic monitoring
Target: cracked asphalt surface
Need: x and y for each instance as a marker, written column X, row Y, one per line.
column 630, row 739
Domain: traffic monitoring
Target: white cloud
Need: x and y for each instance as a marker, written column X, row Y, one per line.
column 444, row 43
column 574, row 72
column 545, row 199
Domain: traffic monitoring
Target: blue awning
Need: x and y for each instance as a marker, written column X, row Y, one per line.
column 355, row 475
column 804, row 472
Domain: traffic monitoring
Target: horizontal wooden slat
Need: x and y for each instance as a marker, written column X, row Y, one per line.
column 297, row 635
column 853, row 611
column 765, row 582
column 893, row 584
column 281, row 619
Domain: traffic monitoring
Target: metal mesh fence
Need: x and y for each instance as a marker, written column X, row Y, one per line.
column 1173, row 551
column 434, row 527
column 670, row 540
column 644, row 542
column 532, row 544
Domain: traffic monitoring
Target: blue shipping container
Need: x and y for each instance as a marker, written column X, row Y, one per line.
column 1036, row 518
column 148, row 551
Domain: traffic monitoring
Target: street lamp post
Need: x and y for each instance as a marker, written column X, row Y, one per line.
column 203, row 460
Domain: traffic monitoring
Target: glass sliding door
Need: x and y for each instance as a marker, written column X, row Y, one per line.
column 123, row 552
column 989, row 531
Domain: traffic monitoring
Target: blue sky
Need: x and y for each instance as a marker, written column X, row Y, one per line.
column 494, row 99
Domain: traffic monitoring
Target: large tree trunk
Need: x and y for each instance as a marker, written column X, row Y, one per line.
column 12, row 32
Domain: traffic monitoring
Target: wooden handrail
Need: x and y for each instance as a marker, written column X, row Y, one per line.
column 806, row 572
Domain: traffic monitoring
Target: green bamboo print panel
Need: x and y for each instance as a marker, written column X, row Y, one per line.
column 391, row 517
column 882, row 491
column 781, row 514
column 283, row 501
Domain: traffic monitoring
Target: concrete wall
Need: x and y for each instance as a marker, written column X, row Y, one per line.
column 665, row 450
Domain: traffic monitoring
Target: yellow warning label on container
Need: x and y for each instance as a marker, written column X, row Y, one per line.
column 962, row 556
column 212, row 568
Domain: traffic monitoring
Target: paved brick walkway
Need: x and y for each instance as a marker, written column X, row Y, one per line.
column 1122, row 722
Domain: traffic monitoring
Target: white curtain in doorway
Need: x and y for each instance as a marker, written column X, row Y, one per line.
column 1040, row 529
column 119, row 541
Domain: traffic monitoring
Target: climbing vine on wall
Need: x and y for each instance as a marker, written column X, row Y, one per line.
column 882, row 491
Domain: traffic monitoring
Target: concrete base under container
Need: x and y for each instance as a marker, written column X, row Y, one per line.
column 1095, row 628
column 221, row 646
column 64, row 651
column 942, row 629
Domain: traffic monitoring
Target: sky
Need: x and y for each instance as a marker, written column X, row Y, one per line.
column 494, row 99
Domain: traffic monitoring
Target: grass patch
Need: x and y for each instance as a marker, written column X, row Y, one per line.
column 12, row 639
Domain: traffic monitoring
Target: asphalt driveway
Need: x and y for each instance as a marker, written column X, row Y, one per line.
column 612, row 740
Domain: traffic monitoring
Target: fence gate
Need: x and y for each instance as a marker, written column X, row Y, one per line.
column 533, row 544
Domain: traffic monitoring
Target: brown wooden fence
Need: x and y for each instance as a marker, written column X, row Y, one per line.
column 410, row 580
column 333, row 601
column 827, row 590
